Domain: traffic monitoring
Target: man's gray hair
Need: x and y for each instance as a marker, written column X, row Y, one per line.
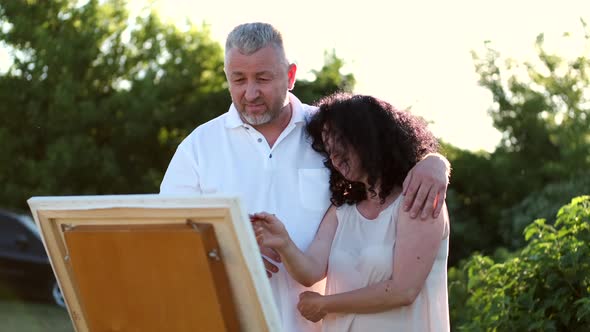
column 250, row 37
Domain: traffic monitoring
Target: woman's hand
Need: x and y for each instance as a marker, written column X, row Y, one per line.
column 270, row 231
column 311, row 306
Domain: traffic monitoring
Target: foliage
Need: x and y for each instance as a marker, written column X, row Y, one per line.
column 473, row 201
column 328, row 79
column 543, row 287
column 543, row 204
column 485, row 213
column 96, row 102
column 542, row 108
column 97, row 106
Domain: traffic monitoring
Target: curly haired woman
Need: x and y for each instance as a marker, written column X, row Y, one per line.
column 385, row 271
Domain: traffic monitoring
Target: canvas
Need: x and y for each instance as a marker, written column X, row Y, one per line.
column 155, row 263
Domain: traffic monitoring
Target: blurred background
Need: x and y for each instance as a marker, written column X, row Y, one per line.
column 96, row 95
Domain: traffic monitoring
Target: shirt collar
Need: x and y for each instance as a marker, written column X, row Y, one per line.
column 233, row 120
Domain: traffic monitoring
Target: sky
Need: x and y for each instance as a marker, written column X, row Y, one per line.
column 413, row 54
column 410, row 53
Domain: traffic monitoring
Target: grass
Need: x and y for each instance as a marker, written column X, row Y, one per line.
column 19, row 316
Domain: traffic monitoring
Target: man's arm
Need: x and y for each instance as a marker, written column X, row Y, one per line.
column 425, row 186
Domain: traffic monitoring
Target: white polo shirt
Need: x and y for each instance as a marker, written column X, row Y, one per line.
column 225, row 155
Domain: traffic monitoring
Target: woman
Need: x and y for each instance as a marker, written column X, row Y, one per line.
column 385, row 271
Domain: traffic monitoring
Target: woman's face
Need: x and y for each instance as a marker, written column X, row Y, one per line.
column 344, row 159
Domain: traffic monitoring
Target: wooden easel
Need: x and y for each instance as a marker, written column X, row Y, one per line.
column 126, row 267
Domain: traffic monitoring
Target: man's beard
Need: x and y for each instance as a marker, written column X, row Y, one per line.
column 257, row 120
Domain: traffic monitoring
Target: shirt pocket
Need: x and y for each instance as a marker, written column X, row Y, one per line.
column 314, row 188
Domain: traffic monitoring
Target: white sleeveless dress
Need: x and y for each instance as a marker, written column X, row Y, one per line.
column 362, row 255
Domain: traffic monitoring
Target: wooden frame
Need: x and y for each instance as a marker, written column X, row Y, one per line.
column 196, row 254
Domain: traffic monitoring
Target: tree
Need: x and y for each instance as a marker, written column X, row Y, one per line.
column 543, row 110
column 474, row 201
column 96, row 102
column 328, row 79
column 542, row 204
column 96, row 105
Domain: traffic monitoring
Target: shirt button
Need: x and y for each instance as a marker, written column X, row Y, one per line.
column 270, row 155
column 259, row 140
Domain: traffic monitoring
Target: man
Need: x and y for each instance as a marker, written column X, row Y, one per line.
column 259, row 150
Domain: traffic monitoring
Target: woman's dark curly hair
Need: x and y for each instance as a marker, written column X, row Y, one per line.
column 388, row 143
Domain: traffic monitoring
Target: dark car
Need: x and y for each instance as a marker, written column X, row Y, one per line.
column 25, row 271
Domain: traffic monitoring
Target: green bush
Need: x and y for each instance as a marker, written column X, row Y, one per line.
column 543, row 287
column 542, row 204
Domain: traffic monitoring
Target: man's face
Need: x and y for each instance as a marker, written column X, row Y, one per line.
column 258, row 84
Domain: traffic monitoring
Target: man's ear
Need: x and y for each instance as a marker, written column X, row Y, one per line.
column 291, row 73
column 225, row 73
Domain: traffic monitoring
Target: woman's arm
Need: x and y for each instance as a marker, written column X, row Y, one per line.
column 306, row 268
column 417, row 244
